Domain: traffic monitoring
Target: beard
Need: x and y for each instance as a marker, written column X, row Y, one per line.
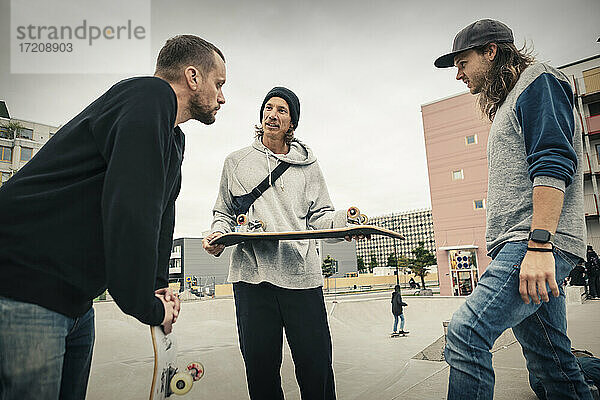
column 477, row 83
column 481, row 79
column 199, row 111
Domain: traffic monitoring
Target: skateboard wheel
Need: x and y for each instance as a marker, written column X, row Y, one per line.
column 181, row 383
column 242, row 219
column 353, row 212
column 196, row 370
column 362, row 219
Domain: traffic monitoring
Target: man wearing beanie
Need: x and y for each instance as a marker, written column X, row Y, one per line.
column 535, row 220
column 278, row 285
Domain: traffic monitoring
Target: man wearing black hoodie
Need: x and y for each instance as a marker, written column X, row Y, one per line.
column 95, row 209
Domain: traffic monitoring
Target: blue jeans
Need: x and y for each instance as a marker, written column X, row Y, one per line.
column 401, row 316
column 494, row 306
column 44, row 355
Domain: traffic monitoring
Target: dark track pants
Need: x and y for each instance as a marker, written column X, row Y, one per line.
column 263, row 311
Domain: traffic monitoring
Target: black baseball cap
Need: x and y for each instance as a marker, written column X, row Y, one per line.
column 479, row 33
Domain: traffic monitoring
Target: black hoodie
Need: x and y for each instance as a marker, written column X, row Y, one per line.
column 397, row 303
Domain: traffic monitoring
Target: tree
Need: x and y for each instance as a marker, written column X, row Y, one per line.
column 421, row 262
column 10, row 130
column 373, row 262
column 403, row 261
column 391, row 260
column 360, row 265
column 329, row 266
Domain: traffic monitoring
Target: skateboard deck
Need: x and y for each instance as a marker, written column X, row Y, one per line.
column 398, row 334
column 166, row 379
column 229, row 239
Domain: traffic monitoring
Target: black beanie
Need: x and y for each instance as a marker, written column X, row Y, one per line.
column 290, row 98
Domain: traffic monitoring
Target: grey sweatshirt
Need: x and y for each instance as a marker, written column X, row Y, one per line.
column 298, row 200
column 535, row 140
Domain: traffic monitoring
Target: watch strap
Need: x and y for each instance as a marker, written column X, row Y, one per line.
column 539, row 249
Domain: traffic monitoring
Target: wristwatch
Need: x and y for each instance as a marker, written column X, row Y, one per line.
column 541, row 236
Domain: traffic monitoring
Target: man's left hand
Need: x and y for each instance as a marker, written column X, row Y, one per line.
column 168, row 294
column 537, row 269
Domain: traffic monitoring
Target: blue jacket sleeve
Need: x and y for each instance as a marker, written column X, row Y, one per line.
column 545, row 112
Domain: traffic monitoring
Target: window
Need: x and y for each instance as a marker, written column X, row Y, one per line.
column 594, row 108
column 5, row 154
column 5, row 132
column 26, row 133
column 479, row 204
column 176, row 253
column 471, row 139
column 26, row 153
column 458, row 175
column 598, row 152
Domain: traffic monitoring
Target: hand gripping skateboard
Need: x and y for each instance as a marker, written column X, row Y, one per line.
column 232, row 238
column 166, row 379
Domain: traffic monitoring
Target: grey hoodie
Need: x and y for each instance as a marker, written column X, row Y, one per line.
column 298, row 200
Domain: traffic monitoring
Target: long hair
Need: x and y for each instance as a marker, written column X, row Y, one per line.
column 506, row 69
column 288, row 138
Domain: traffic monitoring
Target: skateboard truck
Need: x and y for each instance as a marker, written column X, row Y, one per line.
column 245, row 225
column 256, row 225
column 355, row 217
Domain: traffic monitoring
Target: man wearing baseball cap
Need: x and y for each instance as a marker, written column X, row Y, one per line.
column 278, row 285
column 535, row 219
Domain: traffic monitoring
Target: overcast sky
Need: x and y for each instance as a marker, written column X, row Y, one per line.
column 361, row 69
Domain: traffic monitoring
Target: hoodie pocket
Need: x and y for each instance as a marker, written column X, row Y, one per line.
column 294, row 256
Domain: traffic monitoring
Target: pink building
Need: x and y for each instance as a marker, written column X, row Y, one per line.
column 456, row 141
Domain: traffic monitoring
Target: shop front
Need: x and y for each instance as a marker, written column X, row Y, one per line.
column 464, row 275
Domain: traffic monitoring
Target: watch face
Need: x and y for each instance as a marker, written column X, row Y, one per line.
column 540, row 236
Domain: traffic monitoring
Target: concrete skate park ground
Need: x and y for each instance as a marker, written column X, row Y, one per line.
column 368, row 364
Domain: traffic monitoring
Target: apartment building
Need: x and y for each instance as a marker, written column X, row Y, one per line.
column 416, row 226
column 20, row 140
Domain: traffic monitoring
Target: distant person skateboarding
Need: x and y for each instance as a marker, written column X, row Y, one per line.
column 277, row 285
column 535, row 218
column 397, row 311
column 95, row 209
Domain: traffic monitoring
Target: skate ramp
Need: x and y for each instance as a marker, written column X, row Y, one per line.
column 363, row 348
column 368, row 364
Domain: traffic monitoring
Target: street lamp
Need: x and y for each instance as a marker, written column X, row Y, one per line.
column 394, row 227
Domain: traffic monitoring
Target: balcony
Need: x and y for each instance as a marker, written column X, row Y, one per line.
column 591, row 78
column 586, row 166
column 590, row 205
column 590, row 90
column 593, row 124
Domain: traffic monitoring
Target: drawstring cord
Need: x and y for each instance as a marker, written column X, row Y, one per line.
column 267, row 151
